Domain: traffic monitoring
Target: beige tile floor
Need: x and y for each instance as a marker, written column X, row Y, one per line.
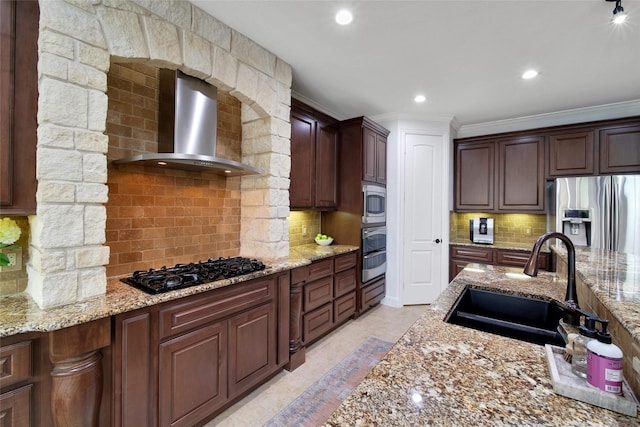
column 263, row 403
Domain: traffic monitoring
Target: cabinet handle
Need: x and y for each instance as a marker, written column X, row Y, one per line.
column 437, row 240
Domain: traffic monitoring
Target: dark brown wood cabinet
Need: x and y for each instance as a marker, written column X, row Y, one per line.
column 475, row 178
column 462, row 255
column 521, row 180
column 25, row 384
column 571, row 153
column 507, row 172
column 323, row 296
column 363, row 146
column 620, row 149
column 182, row 361
column 18, row 105
column 314, row 147
column 192, row 375
column 505, row 175
column 374, row 151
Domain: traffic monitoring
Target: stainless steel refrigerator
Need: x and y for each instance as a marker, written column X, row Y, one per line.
column 598, row 212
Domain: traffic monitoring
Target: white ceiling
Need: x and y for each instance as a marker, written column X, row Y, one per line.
column 466, row 57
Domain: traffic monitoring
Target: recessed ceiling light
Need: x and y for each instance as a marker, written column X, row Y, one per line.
column 529, row 74
column 344, row 17
column 420, row 98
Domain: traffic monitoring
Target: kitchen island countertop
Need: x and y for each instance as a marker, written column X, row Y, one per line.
column 444, row 374
column 20, row 314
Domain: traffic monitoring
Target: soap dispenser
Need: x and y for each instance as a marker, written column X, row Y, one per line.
column 588, row 332
column 604, row 362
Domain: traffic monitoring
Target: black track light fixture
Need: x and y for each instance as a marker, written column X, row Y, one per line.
column 619, row 15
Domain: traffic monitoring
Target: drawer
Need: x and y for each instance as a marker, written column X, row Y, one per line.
column 15, row 363
column 346, row 261
column 15, row 407
column 317, row 322
column 374, row 293
column 520, row 258
column 318, row 293
column 214, row 305
column 344, row 307
column 472, row 253
column 344, row 282
column 320, row 269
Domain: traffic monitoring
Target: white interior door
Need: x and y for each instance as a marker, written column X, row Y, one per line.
column 423, row 207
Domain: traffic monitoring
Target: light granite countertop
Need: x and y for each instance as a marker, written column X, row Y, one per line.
column 498, row 245
column 20, row 314
column 440, row 374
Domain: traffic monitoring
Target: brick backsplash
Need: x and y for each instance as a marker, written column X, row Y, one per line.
column 508, row 228
column 158, row 216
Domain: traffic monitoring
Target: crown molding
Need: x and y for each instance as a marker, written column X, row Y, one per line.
column 565, row 117
column 310, row 102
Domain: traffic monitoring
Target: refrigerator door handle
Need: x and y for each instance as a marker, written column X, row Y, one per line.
column 615, row 213
column 605, row 211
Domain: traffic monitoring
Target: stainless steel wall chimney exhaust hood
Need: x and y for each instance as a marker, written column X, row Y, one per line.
column 187, row 128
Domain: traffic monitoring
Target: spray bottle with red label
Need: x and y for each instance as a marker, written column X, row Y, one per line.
column 604, row 362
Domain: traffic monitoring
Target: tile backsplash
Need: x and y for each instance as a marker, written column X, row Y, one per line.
column 158, row 216
column 508, row 228
column 12, row 282
column 300, row 221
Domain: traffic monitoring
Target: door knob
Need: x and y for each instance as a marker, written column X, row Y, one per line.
column 437, row 240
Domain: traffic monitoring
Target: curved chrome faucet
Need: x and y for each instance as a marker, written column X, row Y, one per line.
column 571, row 297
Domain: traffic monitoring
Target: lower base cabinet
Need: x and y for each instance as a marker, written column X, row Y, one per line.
column 193, row 374
column 461, row 255
column 15, row 407
column 372, row 293
column 181, row 362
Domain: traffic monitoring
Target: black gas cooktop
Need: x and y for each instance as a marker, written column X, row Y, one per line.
column 165, row 279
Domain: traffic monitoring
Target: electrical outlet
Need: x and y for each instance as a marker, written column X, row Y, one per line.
column 304, row 231
column 15, row 258
column 527, row 231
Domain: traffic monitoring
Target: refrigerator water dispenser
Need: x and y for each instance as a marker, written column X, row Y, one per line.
column 576, row 224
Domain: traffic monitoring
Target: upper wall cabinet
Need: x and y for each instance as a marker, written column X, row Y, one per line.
column 500, row 175
column 521, row 174
column 314, row 149
column 18, row 105
column 364, row 143
column 375, row 156
column 571, row 153
column 475, row 179
column 620, row 149
column 507, row 172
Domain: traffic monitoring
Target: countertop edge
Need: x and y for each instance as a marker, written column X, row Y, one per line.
column 20, row 313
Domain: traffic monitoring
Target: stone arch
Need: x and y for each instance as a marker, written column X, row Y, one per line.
column 77, row 42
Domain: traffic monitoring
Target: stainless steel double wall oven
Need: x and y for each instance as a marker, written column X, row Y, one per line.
column 374, row 233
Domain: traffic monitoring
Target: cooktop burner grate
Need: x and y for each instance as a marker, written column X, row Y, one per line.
column 181, row 276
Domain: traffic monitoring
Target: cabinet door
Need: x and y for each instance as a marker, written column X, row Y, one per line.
column 620, row 150
column 303, row 159
column 571, row 154
column 381, row 159
column 326, row 170
column 369, row 155
column 193, row 375
column 252, row 348
column 475, row 176
column 15, row 407
column 132, row 366
column 18, row 106
column 521, row 174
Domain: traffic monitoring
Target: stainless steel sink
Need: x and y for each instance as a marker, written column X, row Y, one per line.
column 526, row 319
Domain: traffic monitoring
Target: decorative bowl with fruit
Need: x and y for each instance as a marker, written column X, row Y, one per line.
column 323, row 239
